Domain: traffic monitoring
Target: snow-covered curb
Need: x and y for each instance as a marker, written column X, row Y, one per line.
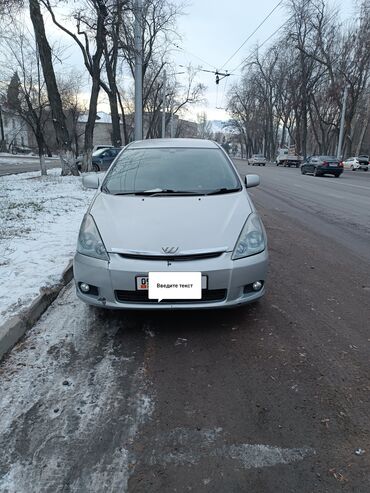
column 14, row 328
column 39, row 222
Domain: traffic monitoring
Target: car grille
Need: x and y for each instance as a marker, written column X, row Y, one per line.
column 142, row 297
column 173, row 258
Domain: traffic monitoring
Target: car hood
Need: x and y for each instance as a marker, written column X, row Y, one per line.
column 147, row 224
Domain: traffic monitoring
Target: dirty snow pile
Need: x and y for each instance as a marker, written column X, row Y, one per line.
column 39, row 223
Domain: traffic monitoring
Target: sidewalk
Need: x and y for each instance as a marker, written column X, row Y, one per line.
column 39, row 223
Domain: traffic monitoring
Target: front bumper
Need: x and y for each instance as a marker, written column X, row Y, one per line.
column 233, row 277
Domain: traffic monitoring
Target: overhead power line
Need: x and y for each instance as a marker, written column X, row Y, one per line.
column 253, row 33
column 268, row 39
column 193, row 55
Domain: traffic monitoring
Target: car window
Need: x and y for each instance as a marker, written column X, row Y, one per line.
column 179, row 169
column 99, row 153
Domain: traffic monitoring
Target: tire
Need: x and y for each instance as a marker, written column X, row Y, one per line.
column 316, row 173
column 366, row 169
column 303, row 171
column 95, row 168
column 336, row 176
column 265, row 165
column 352, row 168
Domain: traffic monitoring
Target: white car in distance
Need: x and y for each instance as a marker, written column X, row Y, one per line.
column 257, row 160
column 356, row 163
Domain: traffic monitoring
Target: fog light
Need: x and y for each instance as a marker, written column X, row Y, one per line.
column 85, row 288
column 257, row 285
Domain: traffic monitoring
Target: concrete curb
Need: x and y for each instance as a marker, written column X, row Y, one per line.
column 12, row 330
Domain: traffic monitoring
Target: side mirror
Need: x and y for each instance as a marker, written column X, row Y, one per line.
column 90, row 181
column 252, row 181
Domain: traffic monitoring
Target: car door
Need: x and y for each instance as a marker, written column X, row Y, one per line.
column 107, row 157
column 311, row 164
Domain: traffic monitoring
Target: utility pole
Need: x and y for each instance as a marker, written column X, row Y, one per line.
column 138, row 71
column 342, row 119
column 164, row 105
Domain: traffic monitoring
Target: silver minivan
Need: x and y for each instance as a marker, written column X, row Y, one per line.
column 171, row 206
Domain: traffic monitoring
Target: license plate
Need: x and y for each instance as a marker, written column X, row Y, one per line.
column 142, row 283
column 334, row 165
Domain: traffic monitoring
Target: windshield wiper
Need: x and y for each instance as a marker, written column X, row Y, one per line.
column 159, row 191
column 221, row 191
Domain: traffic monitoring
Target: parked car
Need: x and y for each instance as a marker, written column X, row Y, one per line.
column 355, row 163
column 257, row 160
column 171, row 205
column 322, row 165
column 102, row 146
column 102, row 158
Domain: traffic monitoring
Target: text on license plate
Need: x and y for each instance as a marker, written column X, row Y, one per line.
column 142, row 283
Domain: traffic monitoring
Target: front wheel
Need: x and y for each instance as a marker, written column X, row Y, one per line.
column 316, row 173
column 95, row 168
column 303, row 171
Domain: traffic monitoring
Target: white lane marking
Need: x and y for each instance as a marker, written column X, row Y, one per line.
column 188, row 446
column 339, row 183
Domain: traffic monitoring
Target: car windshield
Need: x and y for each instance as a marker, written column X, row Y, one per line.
column 99, row 152
column 171, row 170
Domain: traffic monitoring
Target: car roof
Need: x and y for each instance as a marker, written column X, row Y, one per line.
column 183, row 143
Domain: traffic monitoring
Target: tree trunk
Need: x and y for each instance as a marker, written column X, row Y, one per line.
column 112, row 94
column 40, row 145
column 124, row 124
column 90, row 124
column 59, row 121
column 116, row 129
column 363, row 131
column 42, row 165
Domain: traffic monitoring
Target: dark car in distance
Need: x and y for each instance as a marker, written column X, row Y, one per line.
column 102, row 158
column 322, row 165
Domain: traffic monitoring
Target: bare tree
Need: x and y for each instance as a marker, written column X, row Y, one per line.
column 59, row 121
column 27, row 95
column 90, row 35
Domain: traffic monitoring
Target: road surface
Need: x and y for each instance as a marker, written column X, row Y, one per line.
column 23, row 164
column 273, row 397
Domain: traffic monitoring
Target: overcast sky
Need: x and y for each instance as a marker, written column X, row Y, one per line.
column 211, row 31
column 214, row 29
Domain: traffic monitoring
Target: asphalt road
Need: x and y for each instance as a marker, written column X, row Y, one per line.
column 273, row 397
column 10, row 165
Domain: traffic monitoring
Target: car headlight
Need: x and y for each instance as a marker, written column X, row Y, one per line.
column 89, row 240
column 252, row 238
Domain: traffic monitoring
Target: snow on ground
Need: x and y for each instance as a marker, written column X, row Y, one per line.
column 75, row 394
column 39, row 223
